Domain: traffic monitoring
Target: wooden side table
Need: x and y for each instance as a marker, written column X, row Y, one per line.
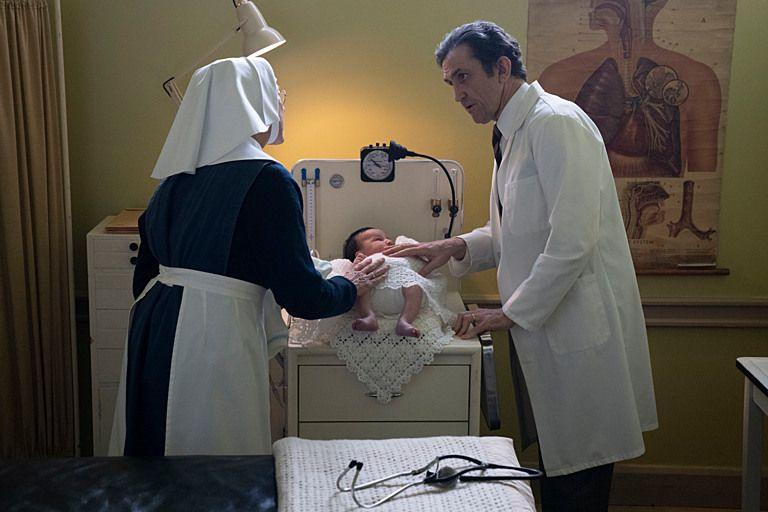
column 755, row 370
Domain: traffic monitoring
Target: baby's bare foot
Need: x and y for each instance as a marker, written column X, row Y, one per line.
column 367, row 323
column 404, row 328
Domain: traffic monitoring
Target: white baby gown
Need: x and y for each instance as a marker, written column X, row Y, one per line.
column 383, row 360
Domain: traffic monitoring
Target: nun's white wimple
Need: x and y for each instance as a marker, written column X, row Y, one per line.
column 226, row 103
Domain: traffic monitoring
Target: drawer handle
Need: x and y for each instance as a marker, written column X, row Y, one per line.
column 133, row 260
column 133, row 246
column 371, row 394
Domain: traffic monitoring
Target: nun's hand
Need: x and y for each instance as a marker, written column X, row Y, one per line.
column 366, row 273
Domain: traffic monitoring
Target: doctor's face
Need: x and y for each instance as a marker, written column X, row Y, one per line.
column 478, row 93
column 372, row 241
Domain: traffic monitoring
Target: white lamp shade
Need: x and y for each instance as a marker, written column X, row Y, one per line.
column 258, row 37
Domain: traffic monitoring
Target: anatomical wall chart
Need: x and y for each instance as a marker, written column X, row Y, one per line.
column 653, row 75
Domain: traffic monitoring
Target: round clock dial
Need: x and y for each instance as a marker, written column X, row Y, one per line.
column 376, row 165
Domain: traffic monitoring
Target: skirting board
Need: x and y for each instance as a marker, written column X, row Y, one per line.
column 674, row 486
column 666, row 486
column 682, row 311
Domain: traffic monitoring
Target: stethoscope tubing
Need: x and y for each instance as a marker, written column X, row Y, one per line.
column 434, row 478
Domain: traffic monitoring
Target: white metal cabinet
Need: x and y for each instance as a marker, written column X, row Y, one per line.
column 326, row 401
column 111, row 259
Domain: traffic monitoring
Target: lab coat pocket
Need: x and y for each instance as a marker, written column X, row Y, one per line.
column 524, row 207
column 580, row 321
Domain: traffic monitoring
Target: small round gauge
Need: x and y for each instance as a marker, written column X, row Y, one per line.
column 375, row 165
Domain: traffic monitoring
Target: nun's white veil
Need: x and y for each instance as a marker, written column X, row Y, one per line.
column 226, row 103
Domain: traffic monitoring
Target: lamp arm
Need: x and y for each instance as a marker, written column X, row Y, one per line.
column 169, row 86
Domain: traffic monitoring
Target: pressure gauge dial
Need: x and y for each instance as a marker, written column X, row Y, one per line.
column 375, row 164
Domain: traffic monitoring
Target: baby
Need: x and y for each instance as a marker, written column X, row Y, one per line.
column 369, row 241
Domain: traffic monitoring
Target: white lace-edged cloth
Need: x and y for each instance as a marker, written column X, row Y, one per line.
column 383, row 360
column 306, row 472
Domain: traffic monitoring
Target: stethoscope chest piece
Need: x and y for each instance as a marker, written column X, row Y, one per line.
column 446, row 477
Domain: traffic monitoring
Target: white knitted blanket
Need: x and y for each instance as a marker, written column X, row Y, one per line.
column 307, row 470
column 382, row 360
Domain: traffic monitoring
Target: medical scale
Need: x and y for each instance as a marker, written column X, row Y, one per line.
column 364, row 192
column 411, row 197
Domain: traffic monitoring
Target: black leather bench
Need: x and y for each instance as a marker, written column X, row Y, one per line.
column 139, row 484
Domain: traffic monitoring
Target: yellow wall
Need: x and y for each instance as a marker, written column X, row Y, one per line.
column 359, row 71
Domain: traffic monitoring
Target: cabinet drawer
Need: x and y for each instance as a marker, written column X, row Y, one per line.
column 385, row 430
column 107, row 398
column 114, row 260
column 113, row 281
column 109, row 363
column 116, row 243
column 333, row 393
column 112, row 319
column 114, row 299
column 109, row 338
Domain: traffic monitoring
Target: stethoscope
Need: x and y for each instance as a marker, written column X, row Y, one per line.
column 445, row 477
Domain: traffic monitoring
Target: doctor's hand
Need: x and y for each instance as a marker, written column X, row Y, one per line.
column 366, row 273
column 435, row 254
column 473, row 323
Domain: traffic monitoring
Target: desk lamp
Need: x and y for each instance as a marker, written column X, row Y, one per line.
column 258, row 39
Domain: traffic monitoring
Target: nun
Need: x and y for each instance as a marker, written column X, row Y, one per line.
column 223, row 248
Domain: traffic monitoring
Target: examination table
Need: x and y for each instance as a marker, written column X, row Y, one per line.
column 134, row 483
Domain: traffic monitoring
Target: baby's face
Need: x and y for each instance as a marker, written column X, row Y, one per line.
column 372, row 241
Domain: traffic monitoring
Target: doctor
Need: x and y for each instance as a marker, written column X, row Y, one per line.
column 567, row 285
column 222, row 244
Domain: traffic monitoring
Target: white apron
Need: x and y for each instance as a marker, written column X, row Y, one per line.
column 218, row 392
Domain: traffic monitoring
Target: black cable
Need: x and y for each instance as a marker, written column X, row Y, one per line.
column 397, row 151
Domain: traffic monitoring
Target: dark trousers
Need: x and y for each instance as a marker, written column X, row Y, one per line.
column 584, row 491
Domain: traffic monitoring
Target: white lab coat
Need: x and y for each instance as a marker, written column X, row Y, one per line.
column 566, row 279
column 218, row 393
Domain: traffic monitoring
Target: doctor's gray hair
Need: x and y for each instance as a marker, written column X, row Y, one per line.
column 350, row 244
column 488, row 42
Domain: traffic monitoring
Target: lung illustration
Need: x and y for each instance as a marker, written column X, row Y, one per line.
column 640, row 127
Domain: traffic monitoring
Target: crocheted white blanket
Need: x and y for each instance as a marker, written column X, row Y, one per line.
column 382, row 360
column 307, row 470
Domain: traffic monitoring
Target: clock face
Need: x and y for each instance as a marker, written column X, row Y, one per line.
column 376, row 165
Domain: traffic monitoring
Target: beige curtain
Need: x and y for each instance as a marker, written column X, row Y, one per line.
column 36, row 384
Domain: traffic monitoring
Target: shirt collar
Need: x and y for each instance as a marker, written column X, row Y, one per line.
column 517, row 108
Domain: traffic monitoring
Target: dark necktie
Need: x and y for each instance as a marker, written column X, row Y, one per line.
column 496, row 145
column 496, row 140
